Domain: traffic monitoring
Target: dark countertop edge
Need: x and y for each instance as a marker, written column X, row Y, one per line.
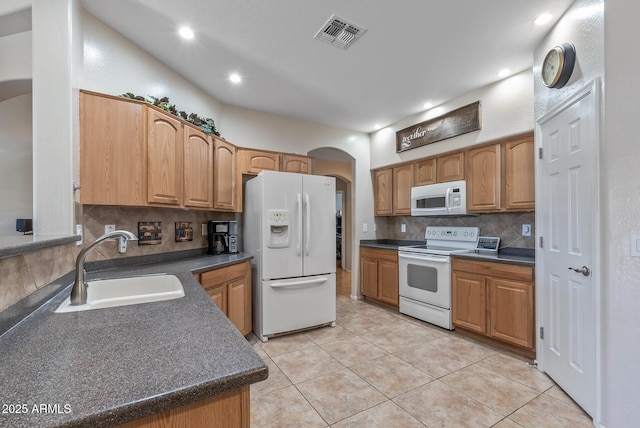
column 172, row 398
column 388, row 244
column 15, row 249
column 525, row 257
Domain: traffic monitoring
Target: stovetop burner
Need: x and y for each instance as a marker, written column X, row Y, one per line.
column 446, row 241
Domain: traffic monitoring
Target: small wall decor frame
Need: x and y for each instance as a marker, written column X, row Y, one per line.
column 149, row 232
column 184, row 231
column 457, row 122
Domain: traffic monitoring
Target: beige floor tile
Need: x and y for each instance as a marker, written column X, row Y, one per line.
column 438, row 405
column 402, row 336
column 339, row 395
column 387, row 414
column 288, row 343
column 353, row 350
column 519, row 370
column 307, row 364
column 494, row 391
column 467, row 348
column 433, row 359
column 363, row 323
column 507, row 423
column 557, row 392
column 276, row 380
column 546, row 411
column 283, row 408
column 329, row 334
column 391, row 376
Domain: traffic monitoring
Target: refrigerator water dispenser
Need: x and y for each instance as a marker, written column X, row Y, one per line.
column 278, row 228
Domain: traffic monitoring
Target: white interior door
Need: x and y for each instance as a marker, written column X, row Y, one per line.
column 566, row 210
column 319, row 194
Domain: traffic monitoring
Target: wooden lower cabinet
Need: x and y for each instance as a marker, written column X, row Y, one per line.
column 230, row 288
column 495, row 300
column 379, row 274
column 229, row 409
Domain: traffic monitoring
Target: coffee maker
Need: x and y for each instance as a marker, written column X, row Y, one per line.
column 222, row 236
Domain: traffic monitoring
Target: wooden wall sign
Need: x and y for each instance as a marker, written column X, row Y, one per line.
column 457, row 122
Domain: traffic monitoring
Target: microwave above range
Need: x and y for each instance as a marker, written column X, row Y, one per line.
column 439, row 199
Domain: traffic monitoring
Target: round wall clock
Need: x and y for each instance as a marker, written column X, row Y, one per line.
column 558, row 65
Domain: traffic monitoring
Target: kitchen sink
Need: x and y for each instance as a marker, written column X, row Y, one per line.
column 132, row 290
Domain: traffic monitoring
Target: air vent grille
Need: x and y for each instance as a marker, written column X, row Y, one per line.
column 339, row 32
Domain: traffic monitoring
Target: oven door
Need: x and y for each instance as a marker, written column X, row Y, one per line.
column 425, row 278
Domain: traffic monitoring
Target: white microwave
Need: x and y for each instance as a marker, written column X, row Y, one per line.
column 439, row 199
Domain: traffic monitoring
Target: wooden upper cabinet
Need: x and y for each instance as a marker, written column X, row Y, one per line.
column 425, row 172
column 113, row 169
column 296, row 163
column 383, row 191
column 520, row 174
column 164, row 158
column 450, row 167
column 224, row 178
column 198, row 168
column 484, row 178
column 402, row 182
column 255, row 161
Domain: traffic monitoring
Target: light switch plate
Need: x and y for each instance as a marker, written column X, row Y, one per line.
column 365, row 227
column 526, row 230
column 403, row 228
column 635, row 245
column 204, row 229
column 79, row 232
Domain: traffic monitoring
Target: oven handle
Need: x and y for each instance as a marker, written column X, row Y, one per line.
column 444, row 259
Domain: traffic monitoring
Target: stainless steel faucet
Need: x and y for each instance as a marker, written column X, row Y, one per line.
column 79, row 290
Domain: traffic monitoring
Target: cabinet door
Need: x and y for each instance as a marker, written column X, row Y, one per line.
column 369, row 277
column 224, row 173
column 388, row 281
column 383, row 192
column 299, row 164
column 402, row 181
column 520, row 175
column 218, row 294
column 468, row 304
column 164, row 158
column 450, row 167
column 511, row 315
column 425, row 172
column 112, row 151
column 484, row 178
column 256, row 161
column 238, row 311
column 198, row 168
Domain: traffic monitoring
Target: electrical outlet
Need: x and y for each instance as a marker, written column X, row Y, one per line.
column 365, row 227
column 403, row 228
column 526, row 230
column 108, row 228
column 79, row 232
column 204, row 229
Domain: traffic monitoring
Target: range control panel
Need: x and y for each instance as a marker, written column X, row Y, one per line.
column 452, row 233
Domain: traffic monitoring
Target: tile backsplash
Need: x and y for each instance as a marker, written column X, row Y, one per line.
column 95, row 217
column 508, row 226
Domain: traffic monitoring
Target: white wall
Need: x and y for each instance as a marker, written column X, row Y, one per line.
column 620, row 174
column 15, row 162
column 15, row 51
column 506, row 109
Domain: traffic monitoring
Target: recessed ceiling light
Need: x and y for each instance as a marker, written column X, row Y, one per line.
column 427, row 106
column 504, row 73
column 543, row 19
column 235, row 78
column 186, row 33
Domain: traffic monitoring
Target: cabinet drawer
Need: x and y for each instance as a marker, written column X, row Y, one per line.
column 501, row 270
column 225, row 274
column 379, row 253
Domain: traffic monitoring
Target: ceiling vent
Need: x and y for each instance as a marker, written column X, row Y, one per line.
column 339, row 32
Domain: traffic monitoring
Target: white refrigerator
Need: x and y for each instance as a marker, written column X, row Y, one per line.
column 289, row 227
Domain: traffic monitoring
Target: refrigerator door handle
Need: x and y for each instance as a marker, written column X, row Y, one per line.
column 315, row 281
column 299, row 237
column 307, row 237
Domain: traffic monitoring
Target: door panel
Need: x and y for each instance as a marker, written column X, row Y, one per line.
column 319, row 243
column 568, row 138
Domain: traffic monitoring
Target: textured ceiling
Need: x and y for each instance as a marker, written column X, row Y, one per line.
column 414, row 51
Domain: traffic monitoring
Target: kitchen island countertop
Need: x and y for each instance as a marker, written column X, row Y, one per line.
column 104, row 367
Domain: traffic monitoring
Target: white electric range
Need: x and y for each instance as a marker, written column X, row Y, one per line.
column 425, row 273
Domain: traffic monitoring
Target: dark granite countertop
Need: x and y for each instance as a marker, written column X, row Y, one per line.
column 11, row 246
column 107, row 366
column 516, row 256
column 388, row 244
